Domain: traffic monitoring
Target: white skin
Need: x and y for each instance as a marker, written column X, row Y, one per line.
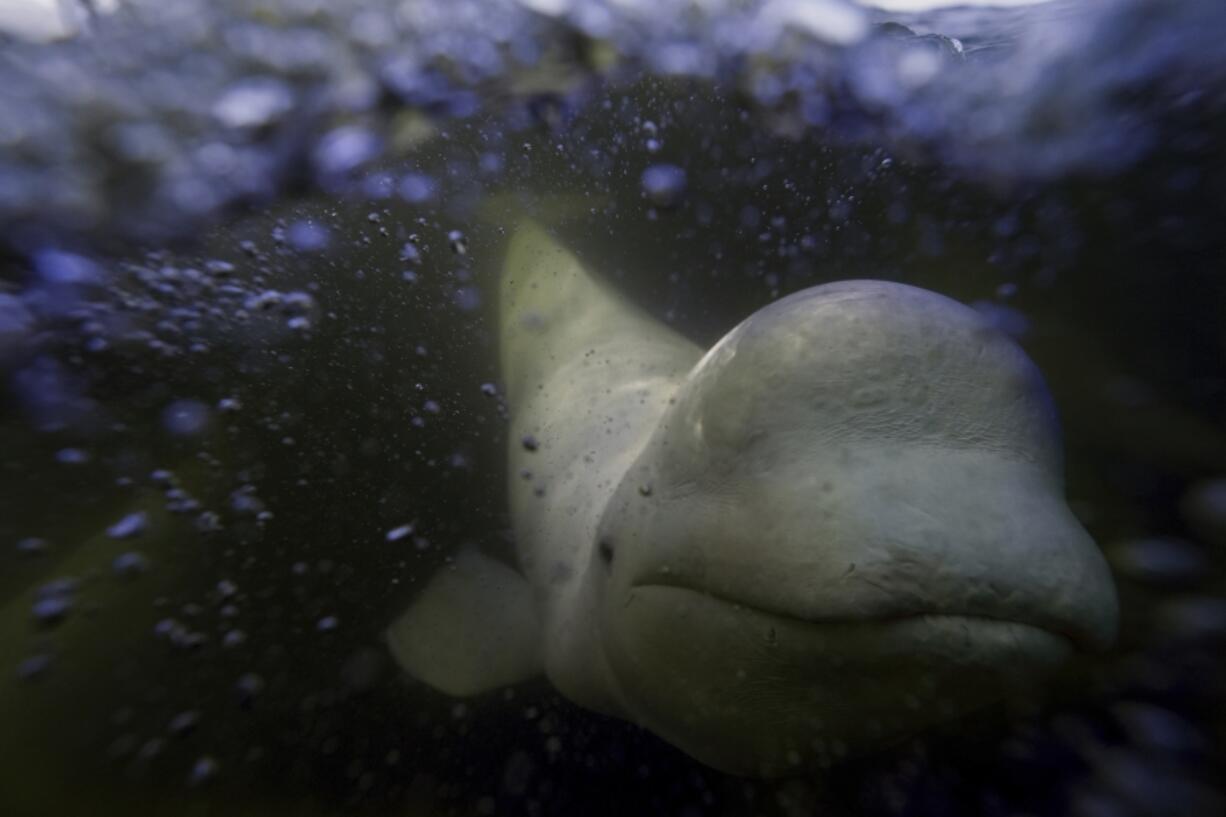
column 842, row 524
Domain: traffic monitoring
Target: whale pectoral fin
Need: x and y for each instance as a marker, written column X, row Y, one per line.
column 474, row 628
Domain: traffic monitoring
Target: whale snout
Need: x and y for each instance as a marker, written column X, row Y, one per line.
column 752, row 622
column 755, row 693
column 855, row 529
column 871, row 451
column 900, row 534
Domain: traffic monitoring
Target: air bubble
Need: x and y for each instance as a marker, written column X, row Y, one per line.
column 16, row 324
column 131, row 526
column 345, row 150
column 56, row 267
column 396, row 534
column 72, row 456
column 129, row 565
column 204, row 770
column 1159, row 560
column 253, row 103
column 184, row 723
column 186, row 418
column 32, row 546
column 248, row 687
column 307, row 236
column 208, row 522
column 417, row 188
column 664, row 184
column 467, row 299
column 233, row 638
column 34, row 667
column 51, row 610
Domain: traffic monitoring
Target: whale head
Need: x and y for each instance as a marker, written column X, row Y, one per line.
column 848, row 525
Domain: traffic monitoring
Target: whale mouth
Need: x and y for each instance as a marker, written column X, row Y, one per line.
column 973, row 625
column 756, row 691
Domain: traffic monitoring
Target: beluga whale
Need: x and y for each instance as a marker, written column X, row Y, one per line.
column 842, row 524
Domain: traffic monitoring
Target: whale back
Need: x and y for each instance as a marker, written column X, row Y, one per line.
column 587, row 376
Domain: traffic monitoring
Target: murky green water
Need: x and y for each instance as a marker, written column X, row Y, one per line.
column 252, row 398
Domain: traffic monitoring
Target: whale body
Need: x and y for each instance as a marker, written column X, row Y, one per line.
column 840, row 525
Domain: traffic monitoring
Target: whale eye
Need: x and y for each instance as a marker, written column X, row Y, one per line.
column 605, row 548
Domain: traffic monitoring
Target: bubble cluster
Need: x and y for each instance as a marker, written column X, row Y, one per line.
column 253, row 116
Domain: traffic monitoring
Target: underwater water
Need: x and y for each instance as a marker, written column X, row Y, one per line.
column 249, row 263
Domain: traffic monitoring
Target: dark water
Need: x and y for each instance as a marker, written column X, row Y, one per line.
column 248, row 292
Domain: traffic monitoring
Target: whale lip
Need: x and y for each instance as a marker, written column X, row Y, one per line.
column 1075, row 638
column 883, row 539
column 755, row 692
